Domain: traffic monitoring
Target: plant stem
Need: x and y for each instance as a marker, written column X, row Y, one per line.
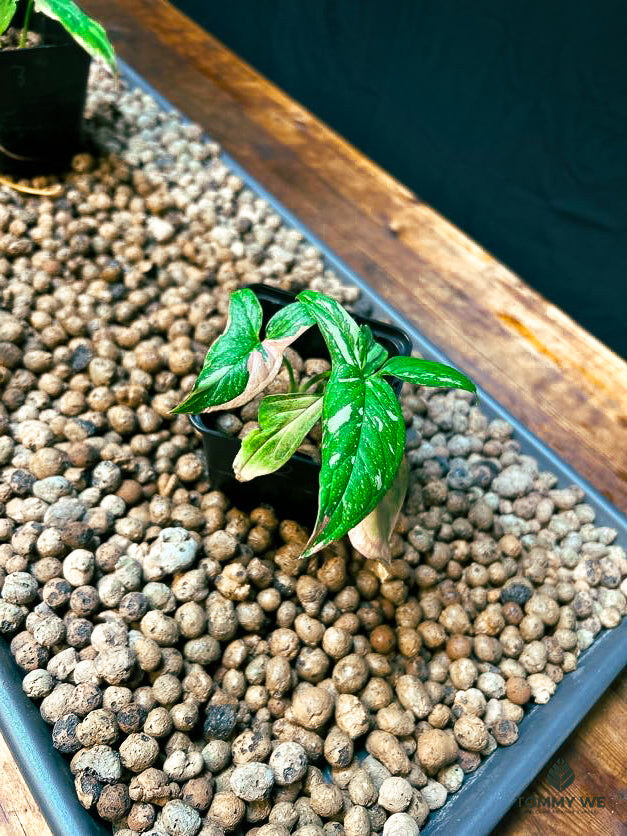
column 315, row 379
column 290, row 371
column 28, row 13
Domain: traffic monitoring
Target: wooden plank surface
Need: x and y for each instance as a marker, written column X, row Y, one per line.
column 556, row 378
column 19, row 812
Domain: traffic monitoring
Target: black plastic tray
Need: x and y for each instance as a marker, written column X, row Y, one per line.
column 295, row 484
column 488, row 793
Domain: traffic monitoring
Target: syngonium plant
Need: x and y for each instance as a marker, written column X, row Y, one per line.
column 86, row 32
column 364, row 474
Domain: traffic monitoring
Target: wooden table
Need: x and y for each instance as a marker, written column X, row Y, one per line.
column 558, row 380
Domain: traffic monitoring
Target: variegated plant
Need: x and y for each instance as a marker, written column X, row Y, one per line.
column 363, row 475
column 85, row 31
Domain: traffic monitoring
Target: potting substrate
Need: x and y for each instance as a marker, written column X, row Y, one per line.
column 196, row 674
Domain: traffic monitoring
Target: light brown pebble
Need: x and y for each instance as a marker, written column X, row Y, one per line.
column 312, row 707
column 357, row 822
column 326, row 800
column 139, row 751
column 227, row 809
column 361, row 790
column 351, row 715
column 288, row 763
column 436, row 748
column 470, row 733
column 401, row 824
column 387, row 749
column 542, row 687
column 395, row 795
column 413, row 696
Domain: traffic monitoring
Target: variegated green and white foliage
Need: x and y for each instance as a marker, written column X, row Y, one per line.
column 7, row 10
column 363, row 480
column 284, row 421
column 85, row 31
column 239, row 366
column 372, row 535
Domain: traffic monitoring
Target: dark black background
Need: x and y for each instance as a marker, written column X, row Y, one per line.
column 509, row 118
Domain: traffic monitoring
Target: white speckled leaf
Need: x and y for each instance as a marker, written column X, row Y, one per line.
column 226, row 372
column 371, row 536
column 284, row 421
column 290, row 321
column 340, row 331
column 362, row 447
column 7, row 10
column 85, row 31
column 426, row 373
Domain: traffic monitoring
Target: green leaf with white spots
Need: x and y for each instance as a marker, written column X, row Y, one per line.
column 7, row 10
column 87, row 32
column 340, row 331
column 284, row 421
column 291, row 321
column 362, row 447
column 425, row 373
column 374, row 355
column 238, row 366
column 372, row 535
column 226, row 372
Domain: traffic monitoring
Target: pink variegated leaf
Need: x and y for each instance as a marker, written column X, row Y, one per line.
column 371, row 537
column 239, row 366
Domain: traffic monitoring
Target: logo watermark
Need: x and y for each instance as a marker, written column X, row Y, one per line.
column 560, row 776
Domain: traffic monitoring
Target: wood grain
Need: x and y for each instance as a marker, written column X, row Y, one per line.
column 556, row 378
column 596, row 754
column 19, row 812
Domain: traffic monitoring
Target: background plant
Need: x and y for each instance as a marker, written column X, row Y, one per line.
column 85, row 31
column 362, row 478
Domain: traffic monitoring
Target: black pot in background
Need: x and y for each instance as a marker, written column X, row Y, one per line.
column 295, row 485
column 43, row 98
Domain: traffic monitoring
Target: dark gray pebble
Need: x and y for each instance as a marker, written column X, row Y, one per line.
column 219, row 722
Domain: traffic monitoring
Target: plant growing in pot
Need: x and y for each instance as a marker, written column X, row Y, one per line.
column 45, row 51
column 363, row 473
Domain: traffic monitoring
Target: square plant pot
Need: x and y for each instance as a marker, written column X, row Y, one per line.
column 295, row 485
column 44, row 88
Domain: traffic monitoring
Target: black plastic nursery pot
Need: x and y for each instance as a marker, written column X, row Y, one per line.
column 295, row 485
column 43, row 97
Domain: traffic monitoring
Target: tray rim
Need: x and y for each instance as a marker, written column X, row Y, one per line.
column 466, row 816
column 465, row 813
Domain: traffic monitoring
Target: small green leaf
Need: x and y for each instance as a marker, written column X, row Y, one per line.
column 291, row 321
column 364, row 341
column 284, row 421
column 376, row 355
column 340, row 331
column 85, row 31
column 425, row 373
column 7, row 10
column 362, row 447
column 371, row 536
